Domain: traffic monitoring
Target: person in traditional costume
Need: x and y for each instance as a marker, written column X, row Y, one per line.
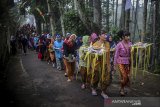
column 110, row 40
column 93, row 38
column 64, row 60
column 112, row 50
column 79, row 42
column 41, row 47
column 58, row 44
column 101, row 65
column 35, row 40
column 78, row 45
column 69, row 53
column 122, row 60
column 24, row 44
column 52, row 53
column 82, row 62
column 13, row 45
column 47, row 43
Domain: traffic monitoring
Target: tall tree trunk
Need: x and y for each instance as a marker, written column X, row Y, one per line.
column 51, row 18
column 122, row 19
column 86, row 4
column 42, row 27
column 158, row 44
column 38, row 23
column 157, row 16
column 97, row 13
column 132, row 18
column 87, row 23
column 116, row 13
column 91, row 9
column 149, row 24
column 127, row 19
column 144, row 18
column 61, row 17
column 107, row 15
column 113, row 20
column 154, row 34
column 135, row 19
column 156, row 30
column 90, row 3
column 75, row 5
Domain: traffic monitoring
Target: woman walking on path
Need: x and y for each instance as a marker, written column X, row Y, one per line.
column 24, row 44
column 51, row 52
column 101, row 76
column 58, row 44
column 69, row 53
column 112, row 50
column 122, row 60
column 64, row 60
column 82, row 62
column 93, row 38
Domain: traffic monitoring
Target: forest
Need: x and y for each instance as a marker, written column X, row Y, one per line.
column 140, row 17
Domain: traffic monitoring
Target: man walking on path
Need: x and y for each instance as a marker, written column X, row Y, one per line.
column 24, row 42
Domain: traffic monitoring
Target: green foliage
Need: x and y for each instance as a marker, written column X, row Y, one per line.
column 36, row 13
column 22, row 10
column 113, row 32
column 8, row 26
column 33, row 4
column 157, row 70
column 74, row 24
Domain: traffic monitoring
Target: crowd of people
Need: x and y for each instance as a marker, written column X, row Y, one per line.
column 96, row 57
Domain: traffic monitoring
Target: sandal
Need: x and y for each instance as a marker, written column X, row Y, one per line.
column 94, row 93
column 65, row 74
column 83, row 86
column 105, row 96
column 69, row 80
column 122, row 93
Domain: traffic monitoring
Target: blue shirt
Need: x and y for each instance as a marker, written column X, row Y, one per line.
column 35, row 40
column 57, row 47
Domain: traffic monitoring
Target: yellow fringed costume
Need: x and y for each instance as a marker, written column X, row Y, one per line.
column 84, row 70
column 100, row 64
column 141, row 53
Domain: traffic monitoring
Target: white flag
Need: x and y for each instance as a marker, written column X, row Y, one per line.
column 128, row 5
